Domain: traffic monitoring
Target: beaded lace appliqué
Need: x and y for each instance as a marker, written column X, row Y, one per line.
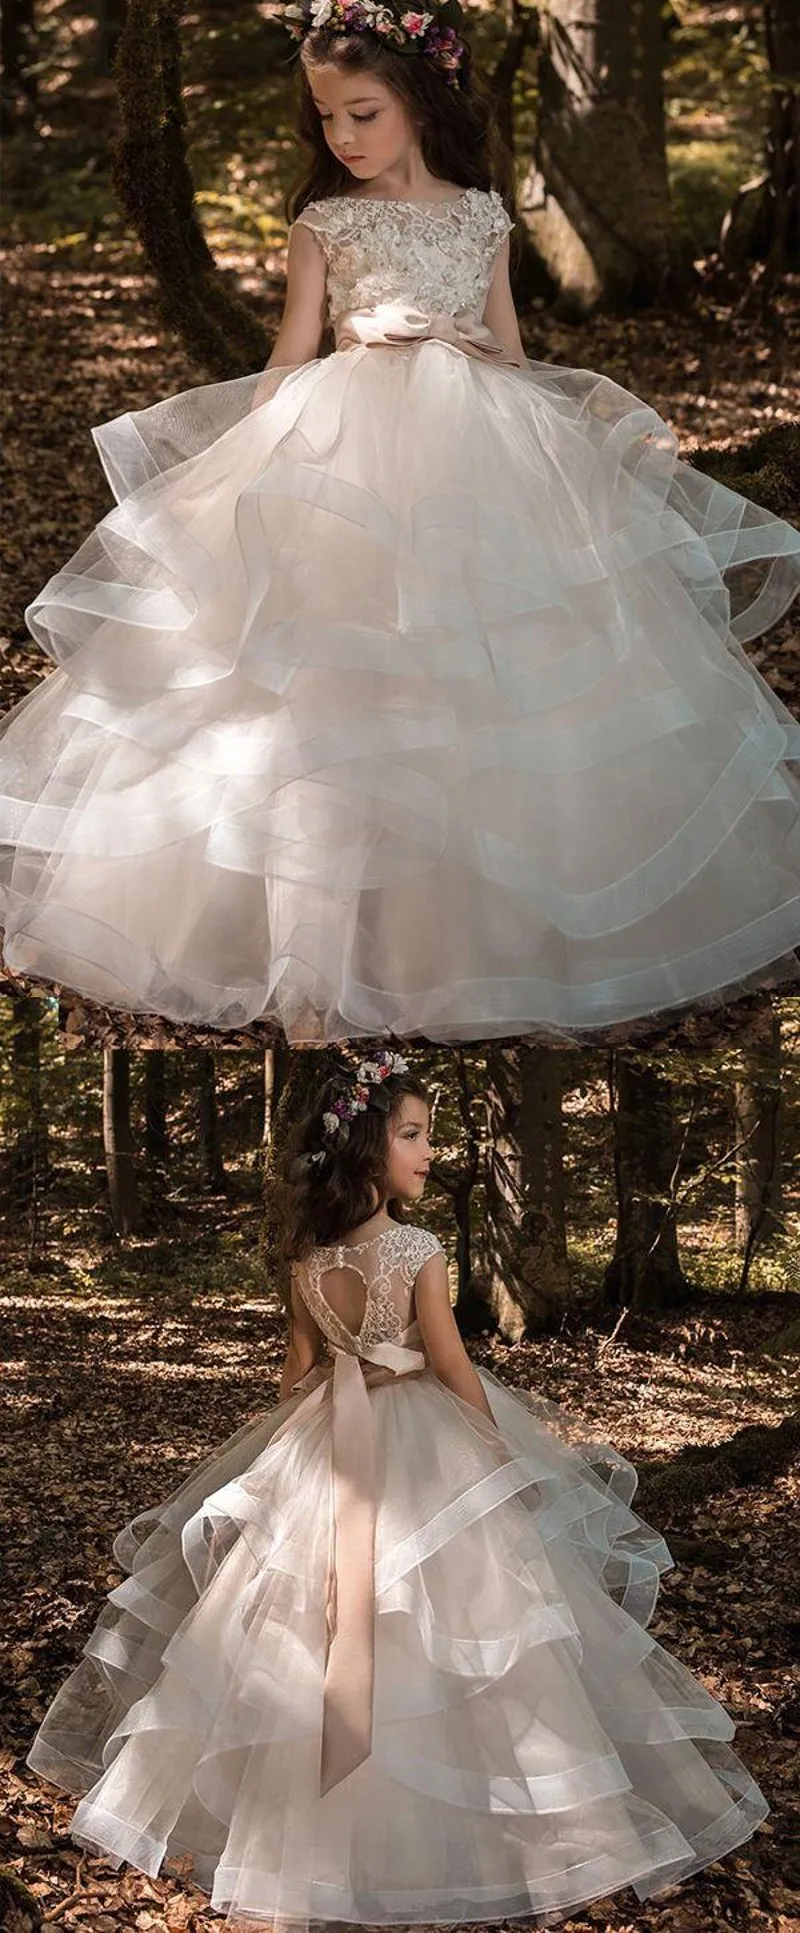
column 438, row 255
column 398, row 1251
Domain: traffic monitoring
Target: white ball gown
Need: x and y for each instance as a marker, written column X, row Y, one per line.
column 404, row 691
column 381, row 1661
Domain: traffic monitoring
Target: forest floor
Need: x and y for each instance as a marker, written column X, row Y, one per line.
column 127, row 1363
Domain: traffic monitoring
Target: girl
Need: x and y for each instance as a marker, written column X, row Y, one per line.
column 384, row 1657
column 403, row 689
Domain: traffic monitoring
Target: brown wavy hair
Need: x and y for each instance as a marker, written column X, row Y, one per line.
column 337, row 1194
column 458, row 135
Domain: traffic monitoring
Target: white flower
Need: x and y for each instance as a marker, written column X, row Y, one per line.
column 321, row 11
column 330, row 1122
column 399, row 1065
column 294, row 13
column 369, row 1070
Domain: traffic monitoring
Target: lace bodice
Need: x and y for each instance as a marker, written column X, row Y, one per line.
column 437, row 255
column 388, row 1264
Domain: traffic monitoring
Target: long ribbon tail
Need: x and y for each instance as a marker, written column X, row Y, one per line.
column 350, row 1667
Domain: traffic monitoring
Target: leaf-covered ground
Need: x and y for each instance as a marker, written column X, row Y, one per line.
column 126, row 1365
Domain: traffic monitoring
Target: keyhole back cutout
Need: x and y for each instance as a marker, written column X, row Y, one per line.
column 346, row 1292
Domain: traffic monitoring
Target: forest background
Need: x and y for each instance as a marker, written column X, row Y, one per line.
column 622, row 1222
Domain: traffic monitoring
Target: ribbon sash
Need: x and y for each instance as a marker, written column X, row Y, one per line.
column 349, row 1682
column 395, row 324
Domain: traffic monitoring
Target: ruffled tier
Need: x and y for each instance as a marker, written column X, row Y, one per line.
column 534, row 1747
column 397, row 643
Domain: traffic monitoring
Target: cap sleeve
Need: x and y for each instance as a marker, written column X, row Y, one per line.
column 425, row 1244
column 500, row 222
column 331, row 222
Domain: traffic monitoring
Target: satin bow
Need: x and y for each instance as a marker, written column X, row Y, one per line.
column 393, row 324
column 349, row 1683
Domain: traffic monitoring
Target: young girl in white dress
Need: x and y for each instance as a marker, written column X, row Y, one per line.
column 403, row 690
column 383, row 1659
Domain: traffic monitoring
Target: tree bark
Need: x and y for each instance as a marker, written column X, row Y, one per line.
column 155, row 1119
column 19, row 90
column 29, row 1134
column 211, row 1147
column 758, row 1123
column 118, row 1141
column 763, row 221
column 645, row 1273
column 276, row 1069
column 525, row 1219
column 154, row 182
column 307, row 1070
column 110, row 23
column 544, row 1217
column 597, row 195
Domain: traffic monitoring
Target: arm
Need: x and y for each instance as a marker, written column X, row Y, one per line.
column 500, row 314
column 303, row 320
column 305, row 1344
column 440, row 1334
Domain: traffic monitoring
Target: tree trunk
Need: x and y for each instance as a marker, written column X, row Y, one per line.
column 763, row 221
column 528, row 1279
column 645, row 1272
column 276, row 1069
column 118, row 1141
column 154, row 182
column 155, row 1119
column 18, row 52
column 597, row 195
column 307, row 1070
column 211, row 1148
column 29, row 1136
column 110, row 22
column 544, row 1218
column 758, row 1122
column 782, row 29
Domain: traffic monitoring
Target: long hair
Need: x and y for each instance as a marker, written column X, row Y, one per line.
column 458, row 136
column 336, row 1194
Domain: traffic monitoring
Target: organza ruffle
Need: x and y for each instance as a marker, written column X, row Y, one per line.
column 533, row 1744
column 391, row 632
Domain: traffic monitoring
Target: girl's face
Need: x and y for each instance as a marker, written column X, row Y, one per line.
column 410, row 1152
column 366, row 125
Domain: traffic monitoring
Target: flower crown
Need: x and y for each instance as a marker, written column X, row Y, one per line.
column 404, row 30
column 365, row 1090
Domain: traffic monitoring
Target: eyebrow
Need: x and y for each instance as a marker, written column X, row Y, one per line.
column 359, row 100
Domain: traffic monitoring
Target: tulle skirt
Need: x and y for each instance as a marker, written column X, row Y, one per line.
column 403, row 692
column 533, row 1746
